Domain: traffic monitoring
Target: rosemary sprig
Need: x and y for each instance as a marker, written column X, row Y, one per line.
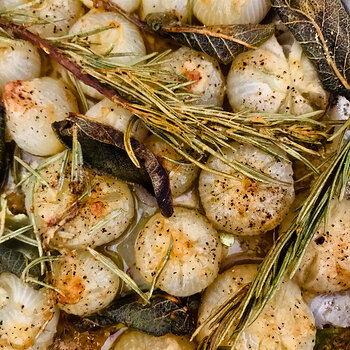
column 286, row 254
column 161, row 100
column 120, row 273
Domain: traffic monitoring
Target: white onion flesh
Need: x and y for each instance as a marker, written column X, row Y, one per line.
column 107, row 112
column 87, row 284
column 269, row 79
column 204, row 71
column 219, row 12
column 285, row 323
column 332, row 309
column 124, row 39
column 325, row 267
column 241, row 206
column 195, row 256
column 126, row 5
column 107, row 196
column 180, row 8
column 181, row 176
column 133, row 340
column 29, row 317
column 31, row 107
column 19, row 60
column 57, row 15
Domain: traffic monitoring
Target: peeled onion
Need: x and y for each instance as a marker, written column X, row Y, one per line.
column 126, row 5
column 218, row 12
column 204, row 71
column 181, row 176
column 57, row 15
column 29, row 317
column 195, row 256
column 325, row 267
column 108, row 195
column 109, row 113
column 31, row 107
column 286, row 322
column 18, row 60
column 87, row 284
column 275, row 79
column 242, row 206
column 180, row 8
column 125, row 38
column 133, row 340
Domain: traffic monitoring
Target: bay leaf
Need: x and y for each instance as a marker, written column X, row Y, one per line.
column 164, row 314
column 223, row 43
column 103, row 150
column 322, row 27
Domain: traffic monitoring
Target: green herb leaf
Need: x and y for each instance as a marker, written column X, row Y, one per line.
column 332, row 339
column 104, row 150
column 164, row 314
column 14, row 261
column 223, row 43
column 323, row 30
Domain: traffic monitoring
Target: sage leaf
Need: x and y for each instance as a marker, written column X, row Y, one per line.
column 223, row 43
column 104, row 150
column 164, row 314
column 322, row 28
column 332, row 338
column 14, row 261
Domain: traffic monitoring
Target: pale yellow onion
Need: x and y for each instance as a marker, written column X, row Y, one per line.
column 259, row 79
column 126, row 5
column 325, row 266
column 276, row 79
column 29, row 317
column 242, row 206
column 285, row 323
column 87, row 284
column 133, row 340
column 109, row 113
column 125, row 38
column 222, row 12
column 108, row 195
column 181, row 176
column 195, row 256
column 19, row 60
column 203, row 70
column 59, row 14
column 31, row 107
column 180, row 8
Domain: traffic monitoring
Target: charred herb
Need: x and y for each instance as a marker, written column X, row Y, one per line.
column 104, row 150
column 164, row 314
column 323, row 30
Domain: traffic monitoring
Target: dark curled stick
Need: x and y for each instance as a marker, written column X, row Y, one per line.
column 160, row 183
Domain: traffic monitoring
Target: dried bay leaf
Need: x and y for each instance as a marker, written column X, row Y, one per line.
column 322, row 27
column 164, row 314
column 103, row 150
column 223, row 43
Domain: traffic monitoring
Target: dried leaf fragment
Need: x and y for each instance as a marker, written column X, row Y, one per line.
column 104, row 150
column 322, row 27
